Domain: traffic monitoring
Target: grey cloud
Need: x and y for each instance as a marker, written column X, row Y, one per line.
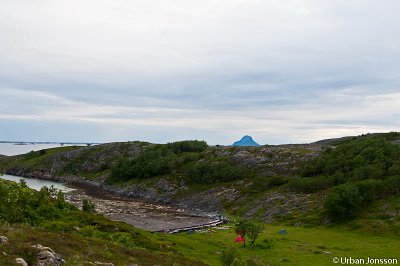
column 275, row 63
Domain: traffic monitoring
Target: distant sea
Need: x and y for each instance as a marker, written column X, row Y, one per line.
column 14, row 149
column 37, row 184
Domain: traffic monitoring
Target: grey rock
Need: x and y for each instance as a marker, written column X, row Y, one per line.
column 21, row 261
column 3, row 240
column 103, row 263
column 47, row 256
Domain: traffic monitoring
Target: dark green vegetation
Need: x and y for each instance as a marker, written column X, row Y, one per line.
column 20, row 204
column 363, row 170
column 157, row 160
column 184, row 158
column 88, row 206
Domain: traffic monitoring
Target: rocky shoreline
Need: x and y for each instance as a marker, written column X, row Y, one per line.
column 163, row 193
column 139, row 212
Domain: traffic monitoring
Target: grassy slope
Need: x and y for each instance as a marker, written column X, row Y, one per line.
column 301, row 246
column 374, row 234
column 78, row 236
column 35, row 162
column 77, row 247
column 90, row 162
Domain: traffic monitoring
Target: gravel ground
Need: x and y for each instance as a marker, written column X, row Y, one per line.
column 144, row 215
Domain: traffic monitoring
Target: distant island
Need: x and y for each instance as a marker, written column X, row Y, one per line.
column 246, row 141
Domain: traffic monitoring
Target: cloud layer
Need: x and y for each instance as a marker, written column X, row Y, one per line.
column 282, row 71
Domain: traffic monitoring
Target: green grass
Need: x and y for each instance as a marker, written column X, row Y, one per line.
column 78, row 250
column 30, row 217
column 33, row 160
column 380, row 218
column 301, row 246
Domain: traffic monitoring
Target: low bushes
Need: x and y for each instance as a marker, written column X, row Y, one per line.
column 20, row 204
column 347, row 200
column 157, row 160
column 311, row 184
column 214, row 172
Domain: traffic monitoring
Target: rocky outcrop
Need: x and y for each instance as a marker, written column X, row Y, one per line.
column 98, row 263
column 270, row 160
column 47, row 257
column 3, row 240
column 275, row 204
column 94, row 158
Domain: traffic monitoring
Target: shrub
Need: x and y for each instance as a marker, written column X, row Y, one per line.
column 88, row 206
column 254, row 230
column 228, row 256
column 392, row 185
column 369, row 189
column 215, row 172
column 276, row 181
column 239, row 262
column 88, row 230
column 311, row 184
column 344, row 202
column 20, row 204
column 187, row 146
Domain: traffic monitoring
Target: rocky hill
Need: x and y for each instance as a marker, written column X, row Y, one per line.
column 263, row 182
column 92, row 166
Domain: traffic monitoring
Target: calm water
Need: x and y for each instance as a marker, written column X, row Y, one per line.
column 12, row 149
column 37, row 184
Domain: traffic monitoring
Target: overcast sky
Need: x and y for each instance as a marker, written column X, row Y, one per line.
column 155, row 70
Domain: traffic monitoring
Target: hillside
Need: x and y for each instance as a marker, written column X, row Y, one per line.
column 224, row 174
column 340, row 190
column 270, row 182
column 43, row 229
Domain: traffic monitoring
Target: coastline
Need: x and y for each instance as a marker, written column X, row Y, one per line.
column 139, row 212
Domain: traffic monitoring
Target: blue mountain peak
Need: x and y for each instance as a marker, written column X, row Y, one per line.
column 246, row 141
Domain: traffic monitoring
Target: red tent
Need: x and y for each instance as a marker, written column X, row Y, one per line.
column 239, row 239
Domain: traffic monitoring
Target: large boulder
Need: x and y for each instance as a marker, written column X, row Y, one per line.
column 21, row 261
column 47, row 256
